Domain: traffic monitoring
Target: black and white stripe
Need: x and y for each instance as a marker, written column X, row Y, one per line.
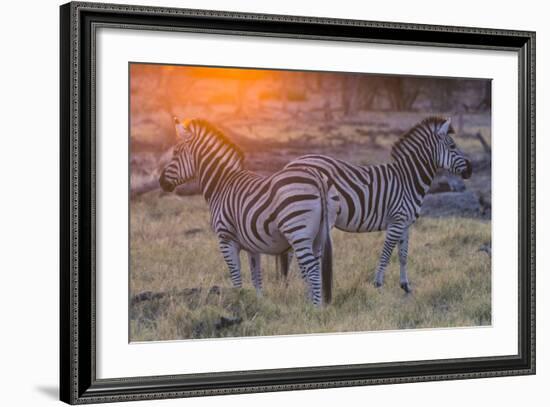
column 389, row 196
column 289, row 210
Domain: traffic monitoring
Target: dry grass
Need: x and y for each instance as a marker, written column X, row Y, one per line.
column 173, row 249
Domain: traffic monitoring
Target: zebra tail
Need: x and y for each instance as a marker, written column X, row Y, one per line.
column 325, row 240
column 327, row 270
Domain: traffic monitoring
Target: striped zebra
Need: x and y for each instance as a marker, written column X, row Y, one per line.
column 290, row 209
column 389, row 196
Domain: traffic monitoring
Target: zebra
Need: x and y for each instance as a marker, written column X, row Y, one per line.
column 291, row 209
column 389, row 196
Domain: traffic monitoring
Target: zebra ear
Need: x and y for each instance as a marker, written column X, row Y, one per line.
column 444, row 129
column 181, row 129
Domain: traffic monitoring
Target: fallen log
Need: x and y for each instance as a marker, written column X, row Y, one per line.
column 144, row 188
column 186, row 292
column 451, row 204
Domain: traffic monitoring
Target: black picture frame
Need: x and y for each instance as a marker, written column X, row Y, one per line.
column 78, row 382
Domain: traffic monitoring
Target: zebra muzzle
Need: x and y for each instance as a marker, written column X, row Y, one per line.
column 164, row 184
column 467, row 173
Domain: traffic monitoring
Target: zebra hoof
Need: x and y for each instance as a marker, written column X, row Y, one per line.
column 378, row 284
column 406, row 287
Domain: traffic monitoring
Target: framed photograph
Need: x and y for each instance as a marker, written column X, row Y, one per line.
column 255, row 203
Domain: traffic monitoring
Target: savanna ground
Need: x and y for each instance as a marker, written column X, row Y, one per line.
column 179, row 284
column 174, row 252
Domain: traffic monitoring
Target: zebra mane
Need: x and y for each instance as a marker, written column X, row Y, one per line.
column 412, row 133
column 211, row 129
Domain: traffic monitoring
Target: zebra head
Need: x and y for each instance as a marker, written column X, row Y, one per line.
column 449, row 156
column 181, row 167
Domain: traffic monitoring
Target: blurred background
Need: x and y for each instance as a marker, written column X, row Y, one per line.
column 276, row 116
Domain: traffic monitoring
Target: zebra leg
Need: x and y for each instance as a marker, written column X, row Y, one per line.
column 256, row 271
column 309, row 268
column 230, row 252
column 393, row 234
column 403, row 251
column 306, row 251
column 282, row 263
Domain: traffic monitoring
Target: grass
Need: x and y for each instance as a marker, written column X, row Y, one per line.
column 173, row 251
